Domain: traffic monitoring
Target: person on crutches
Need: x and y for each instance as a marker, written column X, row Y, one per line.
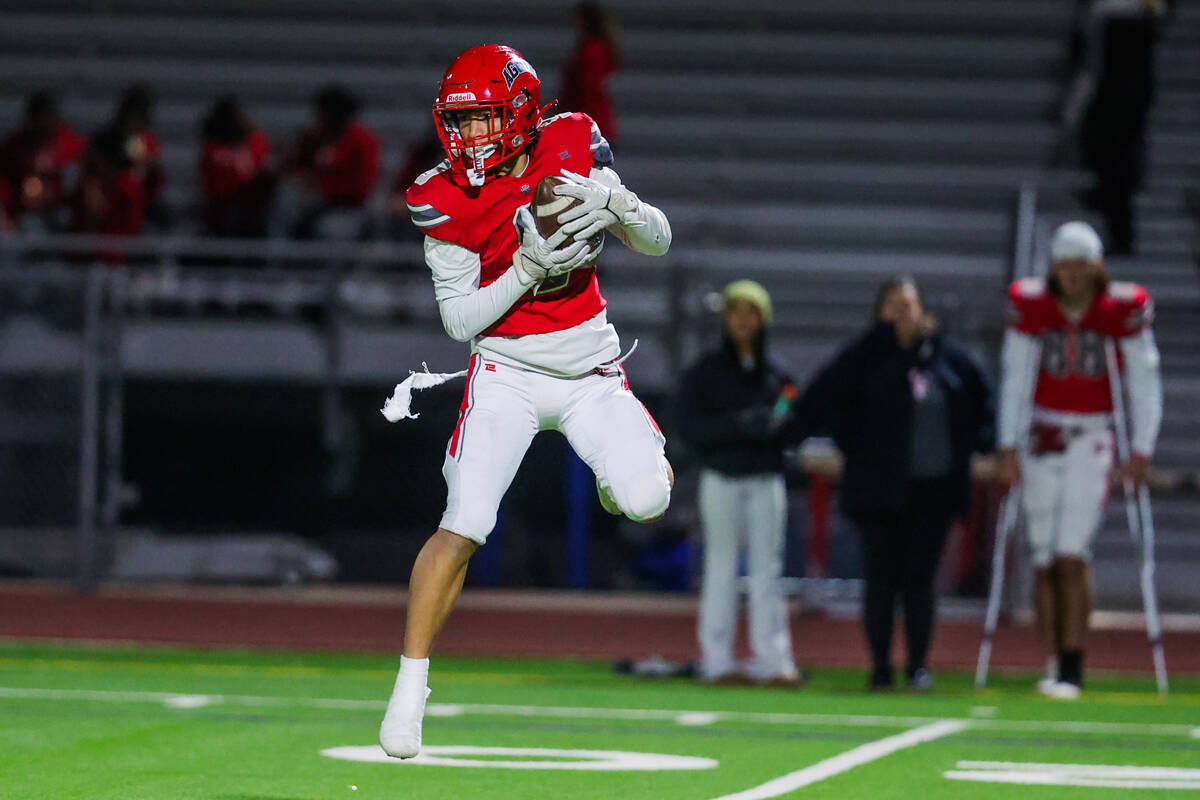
column 1066, row 463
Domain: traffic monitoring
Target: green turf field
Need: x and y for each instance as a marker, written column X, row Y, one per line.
column 163, row 724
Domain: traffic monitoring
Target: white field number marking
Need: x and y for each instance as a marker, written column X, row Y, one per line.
column 848, row 760
column 1093, row 775
column 525, row 758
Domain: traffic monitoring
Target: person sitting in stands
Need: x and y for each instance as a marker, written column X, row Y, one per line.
column 235, row 176
column 336, row 163
column 133, row 123
column 109, row 198
column 36, row 162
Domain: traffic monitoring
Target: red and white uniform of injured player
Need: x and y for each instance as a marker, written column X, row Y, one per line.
column 543, row 357
column 1068, row 457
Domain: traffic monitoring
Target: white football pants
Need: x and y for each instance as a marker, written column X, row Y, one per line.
column 504, row 407
column 1064, row 494
column 737, row 511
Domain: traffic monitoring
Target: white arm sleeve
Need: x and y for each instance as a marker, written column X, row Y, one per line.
column 644, row 229
column 466, row 308
column 1144, row 380
column 1016, row 394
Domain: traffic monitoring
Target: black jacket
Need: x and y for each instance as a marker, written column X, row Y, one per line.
column 723, row 412
column 863, row 399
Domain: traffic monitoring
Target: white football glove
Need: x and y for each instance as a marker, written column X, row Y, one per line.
column 537, row 259
column 601, row 206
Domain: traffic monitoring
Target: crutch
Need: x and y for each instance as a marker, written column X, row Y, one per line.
column 1010, row 510
column 1137, row 515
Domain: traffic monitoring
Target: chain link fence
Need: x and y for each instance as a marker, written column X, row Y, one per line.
column 49, row 383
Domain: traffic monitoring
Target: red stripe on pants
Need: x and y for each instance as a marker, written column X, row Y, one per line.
column 463, row 407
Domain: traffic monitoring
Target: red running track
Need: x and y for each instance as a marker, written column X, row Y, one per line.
column 494, row 623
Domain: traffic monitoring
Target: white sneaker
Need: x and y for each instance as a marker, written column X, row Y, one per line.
column 400, row 731
column 1046, row 686
column 1063, row 691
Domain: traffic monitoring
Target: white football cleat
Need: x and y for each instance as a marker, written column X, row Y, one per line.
column 1061, row 690
column 400, row 731
column 1046, row 686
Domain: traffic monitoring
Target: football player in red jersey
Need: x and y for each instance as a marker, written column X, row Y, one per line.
column 1064, row 467
column 543, row 354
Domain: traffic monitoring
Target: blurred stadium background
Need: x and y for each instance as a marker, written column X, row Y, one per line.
column 205, row 411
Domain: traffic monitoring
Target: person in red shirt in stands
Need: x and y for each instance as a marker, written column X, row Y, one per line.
column 235, row 176
column 109, row 198
column 338, row 160
column 132, row 121
column 585, row 78
column 35, row 162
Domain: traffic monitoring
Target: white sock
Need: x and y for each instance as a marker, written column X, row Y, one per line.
column 414, row 666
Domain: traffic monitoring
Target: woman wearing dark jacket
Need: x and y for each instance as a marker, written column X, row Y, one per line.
column 907, row 407
column 730, row 410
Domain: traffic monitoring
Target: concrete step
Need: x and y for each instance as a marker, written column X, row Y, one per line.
column 1016, row 143
column 547, row 43
column 1016, row 17
column 887, row 228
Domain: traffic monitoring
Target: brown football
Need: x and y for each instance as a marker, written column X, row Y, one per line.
column 547, row 206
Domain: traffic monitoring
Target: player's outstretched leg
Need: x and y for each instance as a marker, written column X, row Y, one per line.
column 437, row 578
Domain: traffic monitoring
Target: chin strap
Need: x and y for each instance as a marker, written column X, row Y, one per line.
column 475, row 173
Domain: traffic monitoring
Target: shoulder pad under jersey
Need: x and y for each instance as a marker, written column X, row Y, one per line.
column 1132, row 307
column 576, row 123
column 1026, row 301
column 424, row 206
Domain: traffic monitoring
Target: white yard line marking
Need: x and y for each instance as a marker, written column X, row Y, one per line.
column 1094, row 775
column 189, row 701
column 848, row 760
column 675, row 715
column 697, row 718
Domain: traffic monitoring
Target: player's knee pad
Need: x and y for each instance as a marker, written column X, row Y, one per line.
column 644, row 496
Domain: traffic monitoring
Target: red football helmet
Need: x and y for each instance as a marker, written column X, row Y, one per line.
column 496, row 80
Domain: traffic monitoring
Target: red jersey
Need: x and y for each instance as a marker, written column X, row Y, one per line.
column 480, row 219
column 225, row 169
column 1073, row 373
column 31, row 171
column 346, row 169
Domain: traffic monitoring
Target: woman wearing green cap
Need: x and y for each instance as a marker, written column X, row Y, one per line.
column 731, row 410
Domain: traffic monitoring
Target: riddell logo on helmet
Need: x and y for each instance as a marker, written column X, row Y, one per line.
column 460, row 97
